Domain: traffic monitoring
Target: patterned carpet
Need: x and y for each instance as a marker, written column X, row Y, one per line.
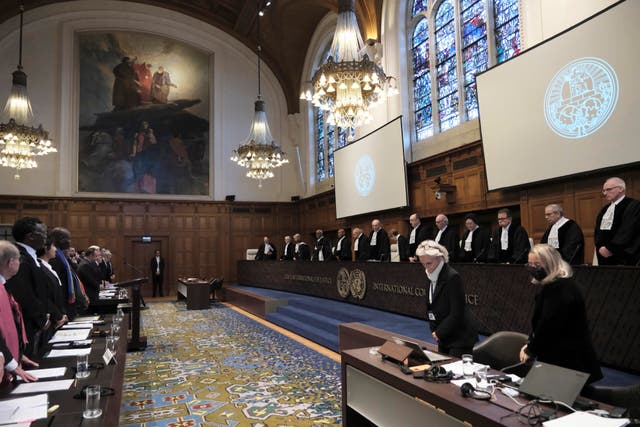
column 218, row 368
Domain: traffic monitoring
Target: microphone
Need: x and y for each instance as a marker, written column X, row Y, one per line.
column 515, row 260
column 575, row 252
column 137, row 270
column 480, row 254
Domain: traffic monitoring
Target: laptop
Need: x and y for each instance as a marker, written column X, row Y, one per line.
column 551, row 382
column 419, row 353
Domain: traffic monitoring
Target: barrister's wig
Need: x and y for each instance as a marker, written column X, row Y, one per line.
column 431, row 248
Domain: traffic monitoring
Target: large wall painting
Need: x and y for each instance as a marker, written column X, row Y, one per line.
column 144, row 115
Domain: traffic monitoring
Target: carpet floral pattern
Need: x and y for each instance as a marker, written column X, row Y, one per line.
column 217, row 367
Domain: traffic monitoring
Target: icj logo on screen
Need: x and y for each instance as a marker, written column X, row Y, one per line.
column 364, row 175
column 581, row 97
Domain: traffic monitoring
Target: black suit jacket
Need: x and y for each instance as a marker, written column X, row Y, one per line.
column 29, row 289
column 403, row 248
column 560, row 333
column 287, row 252
column 623, row 234
column 55, row 296
column 58, row 265
column 344, row 254
column 381, row 251
column 362, row 254
column 261, row 256
column 91, row 277
column 422, row 234
column 303, row 253
column 480, row 243
column 518, row 248
column 570, row 242
column 450, row 240
column 322, row 245
column 153, row 265
column 453, row 322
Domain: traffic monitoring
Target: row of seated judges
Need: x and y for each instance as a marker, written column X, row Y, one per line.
column 43, row 285
column 616, row 235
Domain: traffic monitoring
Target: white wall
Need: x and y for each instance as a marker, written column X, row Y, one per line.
column 50, row 62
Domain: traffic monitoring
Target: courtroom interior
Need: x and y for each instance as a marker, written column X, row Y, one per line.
column 319, row 212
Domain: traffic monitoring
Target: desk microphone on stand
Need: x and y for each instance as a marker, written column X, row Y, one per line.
column 137, row 270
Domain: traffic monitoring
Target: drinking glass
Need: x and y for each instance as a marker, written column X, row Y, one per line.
column 467, row 365
column 82, row 366
column 92, row 402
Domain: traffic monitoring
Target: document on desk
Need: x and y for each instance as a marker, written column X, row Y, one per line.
column 45, row 373
column 67, row 352
column 456, row 367
column 24, row 409
column 584, row 419
column 86, row 319
column 70, row 335
column 42, row 386
column 78, row 325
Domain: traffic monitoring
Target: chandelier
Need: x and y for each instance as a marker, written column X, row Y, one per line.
column 20, row 142
column 259, row 153
column 349, row 84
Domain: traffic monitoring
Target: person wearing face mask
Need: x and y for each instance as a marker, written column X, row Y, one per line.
column 559, row 329
column 450, row 321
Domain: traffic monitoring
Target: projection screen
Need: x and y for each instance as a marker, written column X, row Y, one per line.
column 566, row 106
column 370, row 173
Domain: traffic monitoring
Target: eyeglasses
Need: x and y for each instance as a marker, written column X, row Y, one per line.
column 606, row 190
column 503, row 219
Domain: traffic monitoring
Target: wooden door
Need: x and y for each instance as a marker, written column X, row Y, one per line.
column 139, row 256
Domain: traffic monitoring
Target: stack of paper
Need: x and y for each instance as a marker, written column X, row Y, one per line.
column 584, row 419
column 24, row 409
column 64, row 335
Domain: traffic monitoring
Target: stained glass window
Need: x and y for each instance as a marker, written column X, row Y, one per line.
column 331, row 138
column 446, row 66
column 319, row 131
column 507, row 18
column 419, row 6
column 475, row 57
column 453, row 82
column 422, row 81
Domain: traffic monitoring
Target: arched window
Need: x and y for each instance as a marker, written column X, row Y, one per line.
column 422, row 80
column 446, row 66
column 328, row 138
column 452, row 34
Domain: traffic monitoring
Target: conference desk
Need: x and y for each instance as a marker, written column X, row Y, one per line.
column 376, row 391
column 196, row 291
column 500, row 296
column 111, row 376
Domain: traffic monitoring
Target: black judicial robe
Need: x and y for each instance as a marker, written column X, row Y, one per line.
column 480, row 243
column 449, row 240
column 622, row 236
column 518, row 248
column 570, row 242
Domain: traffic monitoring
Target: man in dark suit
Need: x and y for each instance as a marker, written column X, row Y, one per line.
column 157, row 273
column 379, row 245
column 403, row 245
column 301, row 251
column 419, row 233
column 266, row 251
column 447, row 236
column 322, row 248
column 512, row 241
column 564, row 234
column 29, row 285
column 360, row 245
column 287, row 251
column 450, row 321
column 74, row 295
column 89, row 273
column 617, row 228
column 342, row 250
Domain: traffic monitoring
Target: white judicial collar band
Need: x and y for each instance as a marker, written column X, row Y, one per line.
column 504, row 238
column 412, row 236
column 374, row 239
column 607, row 219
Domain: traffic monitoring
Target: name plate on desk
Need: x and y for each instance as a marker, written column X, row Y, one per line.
column 395, row 352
